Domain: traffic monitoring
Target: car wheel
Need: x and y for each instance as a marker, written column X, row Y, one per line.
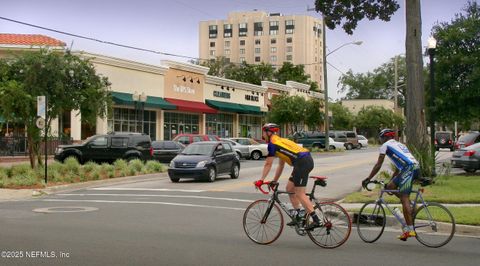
column 332, row 147
column 452, row 149
column 360, row 146
column 212, row 174
column 174, row 179
column 349, row 146
column 74, row 157
column 235, row 171
column 256, row 155
column 131, row 158
column 469, row 170
column 239, row 155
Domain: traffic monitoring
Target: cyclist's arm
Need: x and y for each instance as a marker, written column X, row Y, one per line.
column 279, row 170
column 267, row 166
column 377, row 166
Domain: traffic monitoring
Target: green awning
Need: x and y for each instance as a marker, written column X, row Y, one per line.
column 234, row 107
column 224, row 106
column 152, row 101
column 250, row 109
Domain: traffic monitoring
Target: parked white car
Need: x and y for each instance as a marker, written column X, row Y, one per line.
column 362, row 141
column 256, row 149
column 336, row 145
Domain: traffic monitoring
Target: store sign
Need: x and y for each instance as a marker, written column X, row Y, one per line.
column 183, row 89
column 251, row 98
column 221, row 94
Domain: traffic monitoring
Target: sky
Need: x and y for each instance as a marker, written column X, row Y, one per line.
column 172, row 26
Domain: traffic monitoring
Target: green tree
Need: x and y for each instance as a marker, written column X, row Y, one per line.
column 350, row 12
column 379, row 84
column 314, row 116
column 457, row 71
column 373, row 118
column 69, row 82
column 217, row 67
column 342, row 118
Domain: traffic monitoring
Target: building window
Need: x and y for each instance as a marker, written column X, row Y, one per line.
column 212, row 44
column 242, row 42
column 130, row 120
column 242, row 59
column 257, row 41
column 289, row 40
column 227, row 30
column 242, row 51
column 273, row 49
column 212, row 52
column 273, row 58
column 273, row 28
column 258, row 29
column 289, row 57
column 179, row 123
column 227, row 43
column 289, row 49
column 257, row 50
column 212, row 31
column 242, row 29
column 227, row 51
column 257, row 58
column 273, row 41
column 220, row 125
column 289, row 26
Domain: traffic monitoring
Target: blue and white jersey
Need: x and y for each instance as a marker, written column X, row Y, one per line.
column 398, row 154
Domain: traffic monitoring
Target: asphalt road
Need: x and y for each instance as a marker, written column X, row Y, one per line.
column 157, row 222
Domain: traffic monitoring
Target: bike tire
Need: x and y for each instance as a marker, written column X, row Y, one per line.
column 336, row 225
column 263, row 233
column 430, row 231
column 371, row 222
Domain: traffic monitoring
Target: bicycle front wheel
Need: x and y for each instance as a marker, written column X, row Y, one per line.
column 434, row 225
column 335, row 228
column 371, row 222
column 259, row 230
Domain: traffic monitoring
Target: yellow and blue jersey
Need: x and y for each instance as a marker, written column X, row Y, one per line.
column 285, row 149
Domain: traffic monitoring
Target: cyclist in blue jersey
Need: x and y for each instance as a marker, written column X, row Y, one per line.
column 407, row 169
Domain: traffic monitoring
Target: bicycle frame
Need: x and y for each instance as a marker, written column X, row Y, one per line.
column 418, row 198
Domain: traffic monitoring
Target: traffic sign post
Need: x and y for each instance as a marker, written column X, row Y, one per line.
column 42, row 122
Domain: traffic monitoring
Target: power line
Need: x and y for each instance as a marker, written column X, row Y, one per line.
column 97, row 40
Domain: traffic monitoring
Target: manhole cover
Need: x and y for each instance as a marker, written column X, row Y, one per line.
column 65, row 209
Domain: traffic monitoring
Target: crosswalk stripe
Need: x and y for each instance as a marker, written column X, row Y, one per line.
column 150, row 195
column 146, row 202
column 146, row 189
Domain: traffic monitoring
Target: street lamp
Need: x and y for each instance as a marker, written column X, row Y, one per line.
column 139, row 100
column 325, row 84
column 432, row 45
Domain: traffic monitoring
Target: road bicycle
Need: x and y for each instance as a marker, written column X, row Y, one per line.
column 263, row 221
column 433, row 223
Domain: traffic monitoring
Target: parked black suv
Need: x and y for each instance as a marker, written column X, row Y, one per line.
column 444, row 139
column 108, row 148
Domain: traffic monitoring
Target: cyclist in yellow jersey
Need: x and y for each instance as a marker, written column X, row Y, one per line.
column 302, row 162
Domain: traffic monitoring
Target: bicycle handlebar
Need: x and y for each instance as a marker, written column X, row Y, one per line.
column 269, row 186
column 374, row 182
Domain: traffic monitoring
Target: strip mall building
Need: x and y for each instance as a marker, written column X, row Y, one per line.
column 172, row 98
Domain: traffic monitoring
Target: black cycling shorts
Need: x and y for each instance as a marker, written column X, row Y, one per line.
column 301, row 169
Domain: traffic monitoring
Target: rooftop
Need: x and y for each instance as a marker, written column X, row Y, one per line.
column 29, row 39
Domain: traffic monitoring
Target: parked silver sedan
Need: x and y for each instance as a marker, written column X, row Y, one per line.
column 243, row 151
column 256, row 150
column 467, row 158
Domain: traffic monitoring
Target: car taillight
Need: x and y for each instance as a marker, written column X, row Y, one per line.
column 151, row 151
column 436, row 142
column 469, row 153
column 450, row 141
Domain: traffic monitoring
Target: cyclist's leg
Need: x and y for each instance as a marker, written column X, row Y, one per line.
column 291, row 189
column 403, row 182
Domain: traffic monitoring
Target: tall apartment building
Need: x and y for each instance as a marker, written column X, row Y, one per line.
column 257, row 36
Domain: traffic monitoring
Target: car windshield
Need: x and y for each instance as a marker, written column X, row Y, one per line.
column 443, row 135
column 199, row 149
column 88, row 139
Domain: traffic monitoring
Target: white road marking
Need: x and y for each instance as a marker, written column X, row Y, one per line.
column 146, row 202
column 150, row 195
column 147, row 189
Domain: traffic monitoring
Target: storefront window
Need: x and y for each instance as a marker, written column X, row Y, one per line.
column 220, row 125
column 131, row 120
column 250, row 126
column 178, row 123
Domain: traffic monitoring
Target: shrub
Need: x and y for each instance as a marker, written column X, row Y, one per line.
column 18, row 170
column 154, row 167
column 72, row 166
column 136, row 165
column 121, row 167
column 107, row 170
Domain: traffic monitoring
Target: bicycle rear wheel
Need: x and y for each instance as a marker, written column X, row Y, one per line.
column 263, row 232
column 371, row 222
column 336, row 225
column 434, row 225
